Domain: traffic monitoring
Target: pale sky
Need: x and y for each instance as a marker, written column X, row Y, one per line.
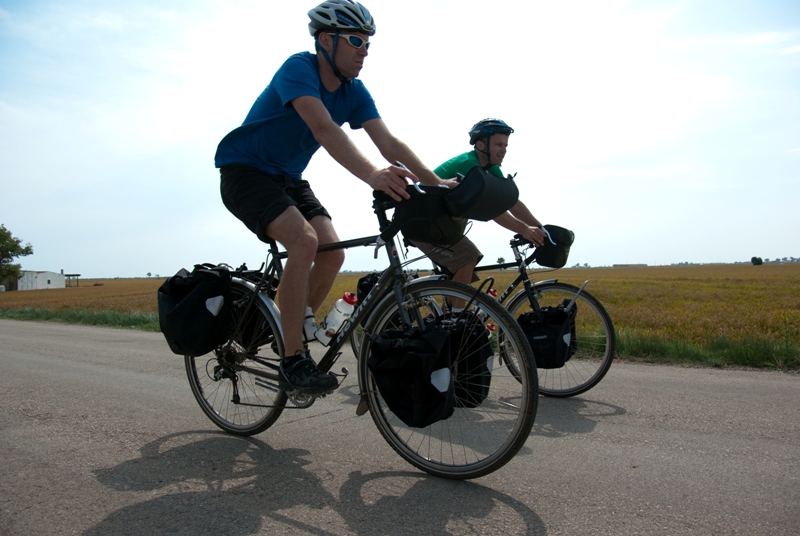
column 659, row 131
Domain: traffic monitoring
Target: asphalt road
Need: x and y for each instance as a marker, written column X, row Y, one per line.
column 100, row 434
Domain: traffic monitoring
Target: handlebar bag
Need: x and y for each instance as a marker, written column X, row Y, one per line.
column 482, row 195
column 426, row 218
column 551, row 333
column 555, row 255
column 194, row 309
column 411, row 369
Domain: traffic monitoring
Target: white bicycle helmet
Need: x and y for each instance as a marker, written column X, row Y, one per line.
column 341, row 15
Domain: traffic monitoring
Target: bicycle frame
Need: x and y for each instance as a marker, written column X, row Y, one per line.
column 521, row 264
column 392, row 277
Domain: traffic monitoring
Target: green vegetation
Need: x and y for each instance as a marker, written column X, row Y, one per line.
column 11, row 247
column 721, row 352
column 142, row 321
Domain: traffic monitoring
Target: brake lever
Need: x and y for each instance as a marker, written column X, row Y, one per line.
column 416, row 184
column 550, row 238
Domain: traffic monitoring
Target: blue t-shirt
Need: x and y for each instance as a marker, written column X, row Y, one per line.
column 273, row 137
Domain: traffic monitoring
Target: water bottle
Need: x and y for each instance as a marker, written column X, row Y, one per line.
column 341, row 311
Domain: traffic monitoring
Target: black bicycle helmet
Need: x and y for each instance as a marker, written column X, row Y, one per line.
column 340, row 16
column 486, row 127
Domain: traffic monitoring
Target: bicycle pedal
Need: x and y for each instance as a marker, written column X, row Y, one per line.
column 343, row 374
column 301, row 400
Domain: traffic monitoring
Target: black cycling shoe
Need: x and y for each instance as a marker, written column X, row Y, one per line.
column 303, row 375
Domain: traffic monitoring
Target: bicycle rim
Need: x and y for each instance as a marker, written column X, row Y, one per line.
column 594, row 332
column 236, row 384
column 474, row 441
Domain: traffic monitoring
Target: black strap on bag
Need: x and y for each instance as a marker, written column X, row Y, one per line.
column 472, row 361
column 551, row 333
column 194, row 309
column 412, row 371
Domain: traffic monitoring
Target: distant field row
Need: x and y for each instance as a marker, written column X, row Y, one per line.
column 699, row 306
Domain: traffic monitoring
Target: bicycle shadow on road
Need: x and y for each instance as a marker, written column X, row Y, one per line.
column 559, row 417
column 404, row 502
column 200, row 482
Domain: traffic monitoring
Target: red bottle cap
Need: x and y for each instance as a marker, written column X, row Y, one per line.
column 350, row 298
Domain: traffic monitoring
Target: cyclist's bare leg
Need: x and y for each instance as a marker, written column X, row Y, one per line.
column 326, row 265
column 300, row 240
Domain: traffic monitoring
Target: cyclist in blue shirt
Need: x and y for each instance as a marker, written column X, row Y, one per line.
column 262, row 162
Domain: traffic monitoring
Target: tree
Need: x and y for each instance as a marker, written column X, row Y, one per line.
column 11, row 247
column 757, row 261
column 501, row 260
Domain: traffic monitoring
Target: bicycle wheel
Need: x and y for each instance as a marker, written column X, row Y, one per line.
column 594, row 332
column 236, row 385
column 356, row 339
column 479, row 437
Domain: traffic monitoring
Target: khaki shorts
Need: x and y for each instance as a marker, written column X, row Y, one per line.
column 455, row 257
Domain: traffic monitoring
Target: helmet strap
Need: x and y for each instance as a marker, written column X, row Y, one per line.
column 485, row 151
column 342, row 79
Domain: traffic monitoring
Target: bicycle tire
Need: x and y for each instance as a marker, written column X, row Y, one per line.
column 474, row 441
column 356, row 339
column 596, row 340
column 245, row 365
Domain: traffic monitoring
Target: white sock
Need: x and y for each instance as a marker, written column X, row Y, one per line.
column 310, row 325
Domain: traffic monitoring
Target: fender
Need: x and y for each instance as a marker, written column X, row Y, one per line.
column 271, row 306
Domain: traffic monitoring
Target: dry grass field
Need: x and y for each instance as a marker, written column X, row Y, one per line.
column 118, row 295
column 698, row 306
column 695, row 304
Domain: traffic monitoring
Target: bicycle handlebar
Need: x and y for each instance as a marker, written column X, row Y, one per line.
column 519, row 240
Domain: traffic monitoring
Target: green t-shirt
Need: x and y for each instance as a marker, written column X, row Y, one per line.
column 462, row 164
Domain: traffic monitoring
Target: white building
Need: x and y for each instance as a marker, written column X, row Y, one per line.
column 37, row 280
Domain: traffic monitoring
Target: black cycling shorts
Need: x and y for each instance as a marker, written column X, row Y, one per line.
column 257, row 198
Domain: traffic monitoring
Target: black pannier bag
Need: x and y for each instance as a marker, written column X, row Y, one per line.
column 472, row 357
column 365, row 285
column 555, row 251
column 194, row 309
column 551, row 333
column 412, row 371
column 482, row 195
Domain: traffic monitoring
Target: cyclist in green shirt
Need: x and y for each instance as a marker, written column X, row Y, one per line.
column 489, row 139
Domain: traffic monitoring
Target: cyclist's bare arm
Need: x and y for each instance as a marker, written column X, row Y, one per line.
column 328, row 134
column 521, row 212
column 394, row 150
column 530, row 233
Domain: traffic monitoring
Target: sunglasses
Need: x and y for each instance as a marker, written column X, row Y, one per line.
column 354, row 40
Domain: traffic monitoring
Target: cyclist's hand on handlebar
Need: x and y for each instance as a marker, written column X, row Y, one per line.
column 534, row 235
column 392, row 180
column 450, row 183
